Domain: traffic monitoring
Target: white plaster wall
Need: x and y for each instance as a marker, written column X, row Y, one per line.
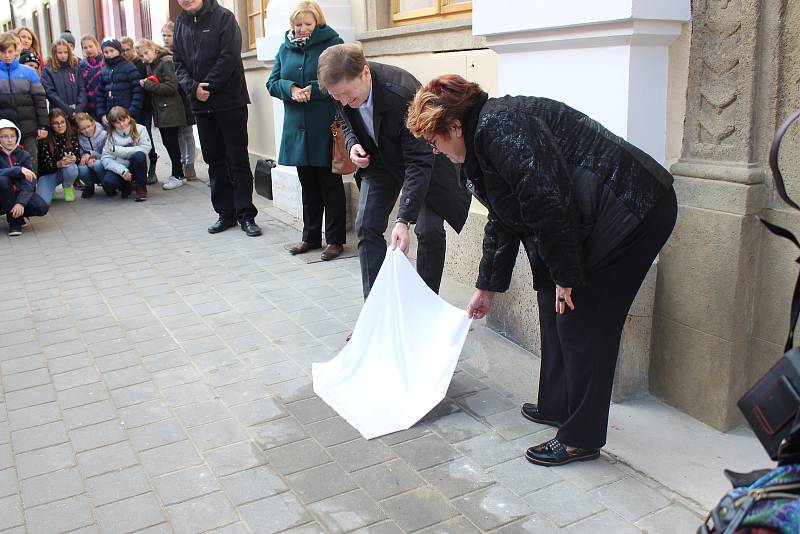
column 506, row 16
column 647, row 99
column 571, row 76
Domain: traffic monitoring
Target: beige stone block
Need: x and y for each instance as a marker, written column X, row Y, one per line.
column 777, row 273
column 694, row 371
column 720, row 195
column 763, row 355
column 633, row 364
column 706, row 274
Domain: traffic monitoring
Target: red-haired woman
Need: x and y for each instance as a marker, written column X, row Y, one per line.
column 592, row 211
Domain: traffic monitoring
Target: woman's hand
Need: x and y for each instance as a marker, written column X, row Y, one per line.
column 301, row 95
column 480, row 304
column 41, row 133
column 17, row 210
column 85, row 159
column 563, row 299
column 400, row 237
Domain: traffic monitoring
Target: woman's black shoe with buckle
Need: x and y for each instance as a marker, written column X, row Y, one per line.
column 553, row 453
column 532, row 413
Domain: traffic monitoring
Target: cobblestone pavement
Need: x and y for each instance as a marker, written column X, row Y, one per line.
column 156, row 378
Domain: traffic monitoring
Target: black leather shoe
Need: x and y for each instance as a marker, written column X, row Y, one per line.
column 531, row 412
column 553, row 453
column 222, row 224
column 250, row 227
column 303, row 247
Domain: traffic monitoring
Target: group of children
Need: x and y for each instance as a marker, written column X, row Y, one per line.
column 97, row 130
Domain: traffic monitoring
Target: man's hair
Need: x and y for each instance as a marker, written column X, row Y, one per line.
column 7, row 40
column 340, row 62
column 307, row 6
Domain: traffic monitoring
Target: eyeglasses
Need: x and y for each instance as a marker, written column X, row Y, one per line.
column 58, row 123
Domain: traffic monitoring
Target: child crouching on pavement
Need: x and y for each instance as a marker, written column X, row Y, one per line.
column 17, row 192
column 125, row 155
column 92, row 138
column 58, row 158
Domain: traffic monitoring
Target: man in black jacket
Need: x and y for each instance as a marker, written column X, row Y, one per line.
column 391, row 162
column 207, row 49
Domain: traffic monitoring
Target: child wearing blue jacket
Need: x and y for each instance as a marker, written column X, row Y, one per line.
column 119, row 83
column 17, row 191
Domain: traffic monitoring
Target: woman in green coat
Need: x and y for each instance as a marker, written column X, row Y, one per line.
column 306, row 139
column 169, row 112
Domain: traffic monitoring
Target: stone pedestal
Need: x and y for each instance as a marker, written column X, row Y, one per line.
column 610, row 61
column 724, row 284
column 285, row 184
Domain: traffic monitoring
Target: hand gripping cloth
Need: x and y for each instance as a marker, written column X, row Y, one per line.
column 401, row 357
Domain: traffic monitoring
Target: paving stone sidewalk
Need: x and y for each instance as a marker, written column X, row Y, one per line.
column 156, row 378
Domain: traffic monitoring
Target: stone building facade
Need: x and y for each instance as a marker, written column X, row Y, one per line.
column 724, row 285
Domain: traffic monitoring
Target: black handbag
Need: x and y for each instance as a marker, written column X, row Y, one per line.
column 772, row 405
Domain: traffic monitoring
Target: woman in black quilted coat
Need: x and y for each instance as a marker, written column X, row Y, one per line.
column 592, row 212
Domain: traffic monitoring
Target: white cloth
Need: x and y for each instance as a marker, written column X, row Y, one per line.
column 401, row 357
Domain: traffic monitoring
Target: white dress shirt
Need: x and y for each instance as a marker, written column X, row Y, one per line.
column 365, row 110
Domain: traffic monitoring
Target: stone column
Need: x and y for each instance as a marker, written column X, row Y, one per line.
column 285, row 184
column 709, row 271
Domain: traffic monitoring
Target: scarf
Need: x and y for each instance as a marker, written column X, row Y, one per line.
column 299, row 42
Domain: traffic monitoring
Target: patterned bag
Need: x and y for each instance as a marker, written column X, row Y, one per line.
column 771, row 504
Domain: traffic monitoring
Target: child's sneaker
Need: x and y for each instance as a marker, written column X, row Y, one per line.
column 69, row 194
column 173, row 183
column 14, row 228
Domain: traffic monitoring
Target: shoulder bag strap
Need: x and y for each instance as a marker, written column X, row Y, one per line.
column 780, row 187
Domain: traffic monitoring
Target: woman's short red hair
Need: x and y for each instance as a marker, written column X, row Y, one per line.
column 441, row 102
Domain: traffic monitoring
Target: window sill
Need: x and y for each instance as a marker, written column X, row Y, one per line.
column 439, row 36
column 251, row 62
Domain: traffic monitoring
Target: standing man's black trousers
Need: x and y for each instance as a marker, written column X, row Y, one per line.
column 580, row 347
column 223, row 140
column 377, row 197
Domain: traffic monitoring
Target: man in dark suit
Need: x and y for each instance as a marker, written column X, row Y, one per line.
column 373, row 99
